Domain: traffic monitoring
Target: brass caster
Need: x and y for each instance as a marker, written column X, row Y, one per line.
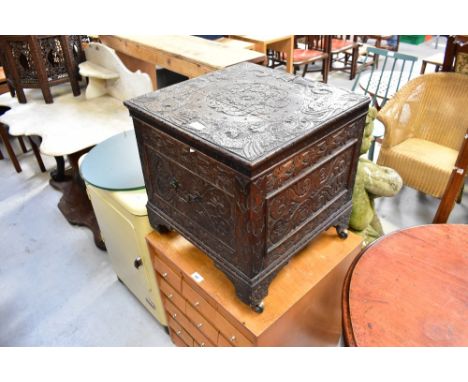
column 259, row 307
column 342, row 232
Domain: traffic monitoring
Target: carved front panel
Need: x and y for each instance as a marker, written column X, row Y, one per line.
column 193, row 197
column 192, row 160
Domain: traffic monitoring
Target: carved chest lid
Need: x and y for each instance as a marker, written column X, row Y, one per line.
column 245, row 113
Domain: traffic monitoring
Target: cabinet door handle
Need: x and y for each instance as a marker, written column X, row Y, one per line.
column 178, row 332
column 199, row 325
column 196, row 303
column 169, row 296
column 193, row 198
column 174, row 184
column 233, row 339
column 164, row 275
column 138, row 262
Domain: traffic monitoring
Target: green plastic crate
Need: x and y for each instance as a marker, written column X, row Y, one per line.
column 413, row 39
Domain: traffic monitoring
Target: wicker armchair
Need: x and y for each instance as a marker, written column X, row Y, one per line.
column 425, row 127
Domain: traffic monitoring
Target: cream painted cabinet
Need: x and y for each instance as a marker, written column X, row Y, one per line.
column 123, row 221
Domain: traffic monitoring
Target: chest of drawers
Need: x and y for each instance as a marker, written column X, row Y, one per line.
column 302, row 308
column 249, row 164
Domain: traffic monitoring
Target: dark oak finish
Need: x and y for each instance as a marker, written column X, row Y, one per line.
column 249, row 164
column 456, row 44
column 410, row 288
column 41, row 62
column 302, row 308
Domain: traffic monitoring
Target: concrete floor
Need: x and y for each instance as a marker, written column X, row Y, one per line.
column 58, row 289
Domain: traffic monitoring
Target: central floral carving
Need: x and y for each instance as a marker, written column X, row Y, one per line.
column 247, row 98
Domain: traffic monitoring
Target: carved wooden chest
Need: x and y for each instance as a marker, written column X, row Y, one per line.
column 249, row 164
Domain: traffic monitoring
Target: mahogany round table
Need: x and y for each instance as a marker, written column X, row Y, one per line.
column 410, row 288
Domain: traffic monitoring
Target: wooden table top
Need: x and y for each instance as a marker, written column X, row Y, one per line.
column 410, row 289
column 265, row 38
column 195, row 49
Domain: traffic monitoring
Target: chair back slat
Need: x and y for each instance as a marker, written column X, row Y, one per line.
column 389, row 72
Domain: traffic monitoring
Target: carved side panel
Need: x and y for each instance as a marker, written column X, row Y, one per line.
column 323, row 148
column 294, row 206
column 53, row 58
column 23, row 61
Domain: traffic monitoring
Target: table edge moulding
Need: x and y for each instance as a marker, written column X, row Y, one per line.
column 409, row 288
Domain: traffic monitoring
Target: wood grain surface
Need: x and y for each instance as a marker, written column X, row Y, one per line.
column 410, row 289
column 303, row 304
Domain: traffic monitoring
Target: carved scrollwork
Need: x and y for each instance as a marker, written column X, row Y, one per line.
column 300, row 201
column 247, row 109
column 323, row 148
column 250, row 218
column 193, row 197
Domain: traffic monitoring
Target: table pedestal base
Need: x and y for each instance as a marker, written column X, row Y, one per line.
column 75, row 204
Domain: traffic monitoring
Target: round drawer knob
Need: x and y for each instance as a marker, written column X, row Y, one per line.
column 178, row 332
column 138, row 262
column 164, row 275
column 196, row 303
column 169, row 296
column 199, row 325
column 202, row 344
column 174, row 315
column 233, row 339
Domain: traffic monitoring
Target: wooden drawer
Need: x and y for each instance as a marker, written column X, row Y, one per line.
column 177, row 340
column 172, row 295
column 202, row 344
column 179, row 331
column 223, row 342
column 167, row 273
column 202, row 324
column 199, row 338
column 198, row 302
column 234, row 336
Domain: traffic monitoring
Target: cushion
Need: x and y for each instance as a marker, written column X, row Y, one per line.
column 306, row 55
column 423, row 165
column 340, row 45
column 461, row 63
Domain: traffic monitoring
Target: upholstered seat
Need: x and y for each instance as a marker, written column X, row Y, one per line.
column 338, row 45
column 425, row 127
column 305, row 55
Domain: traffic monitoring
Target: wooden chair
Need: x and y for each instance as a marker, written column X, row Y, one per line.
column 426, row 133
column 387, row 42
column 313, row 50
column 344, row 49
column 5, row 137
column 384, row 83
column 456, row 55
